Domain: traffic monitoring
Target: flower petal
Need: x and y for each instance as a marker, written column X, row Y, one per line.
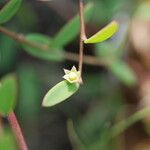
column 74, row 69
column 72, row 76
column 66, row 76
column 66, row 71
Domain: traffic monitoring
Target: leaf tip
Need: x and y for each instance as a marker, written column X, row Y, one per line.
column 104, row 34
column 45, row 103
column 59, row 93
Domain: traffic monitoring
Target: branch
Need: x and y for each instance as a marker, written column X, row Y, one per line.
column 82, row 36
column 1, row 124
column 21, row 39
column 87, row 59
column 90, row 60
column 17, row 131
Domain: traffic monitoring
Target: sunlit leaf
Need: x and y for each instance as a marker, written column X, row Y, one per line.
column 8, row 93
column 104, row 33
column 9, row 10
column 59, row 93
column 123, row 72
column 42, row 40
column 71, row 29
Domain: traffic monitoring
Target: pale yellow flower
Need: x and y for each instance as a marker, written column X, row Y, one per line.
column 72, row 76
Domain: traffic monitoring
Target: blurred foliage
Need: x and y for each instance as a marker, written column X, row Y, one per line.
column 123, row 72
column 8, row 94
column 8, row 53
column 93, row 129
column 7, row 141
column 9, row 10
column 99, row 104
column 71, row 29
column 50, row 54
column 29, row 97
column 143, row 11
column 105, row 10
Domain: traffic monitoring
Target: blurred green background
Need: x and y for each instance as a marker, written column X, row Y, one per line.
column 111, row 92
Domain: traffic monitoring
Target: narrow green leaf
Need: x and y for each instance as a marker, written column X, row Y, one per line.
column 121, row 126
column 50, row 54
column 123, row 72
column 104, row 33
column 8, row 93
column 75, row 140
column 71, row 29
column 9, row 10
column 59, row 93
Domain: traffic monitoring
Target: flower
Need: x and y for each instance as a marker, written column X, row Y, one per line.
column 72, row 76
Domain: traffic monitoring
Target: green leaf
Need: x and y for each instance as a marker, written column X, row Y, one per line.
column 7, row 140
column 59, row 93
column 123, row 72
column 104, row 33
column 8, row 94
column 106, row 50
column 71, row 29
column 75, row 141
column 9, row 10
column 42, row 40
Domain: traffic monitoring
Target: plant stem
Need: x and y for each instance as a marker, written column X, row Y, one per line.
column 121, row 126
column 21, row 39
column 90, row 60
column 1, row 124
column 17, row 131
column 126, row 123
column 82, row 36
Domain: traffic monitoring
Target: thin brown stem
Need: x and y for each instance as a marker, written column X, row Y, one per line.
column 21, row 39
column 82, row 23
column 1, row 124
column 82, row 36
column 17, row 131
column 87, row 59
column 90, row 60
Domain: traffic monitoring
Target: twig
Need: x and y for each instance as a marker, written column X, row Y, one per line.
column 21, row 39
column 1, row 124
column 17, row 131
column 87, row 59
column 90, row 60
column 82, row 36
column 126, row 123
